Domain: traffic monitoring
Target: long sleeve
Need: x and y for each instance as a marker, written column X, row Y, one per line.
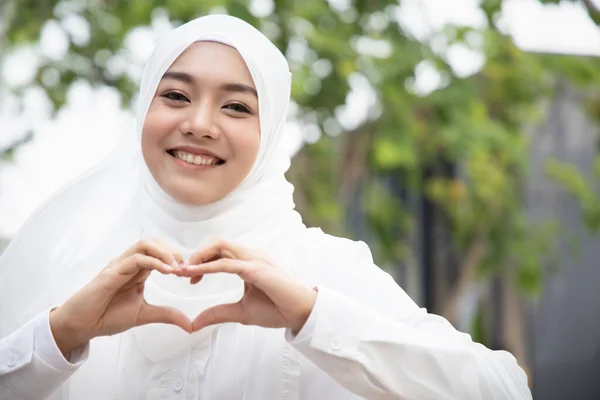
column 31, row 365
column 368, row 335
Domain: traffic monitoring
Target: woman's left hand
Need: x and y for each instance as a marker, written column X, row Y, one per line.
column 272, row 297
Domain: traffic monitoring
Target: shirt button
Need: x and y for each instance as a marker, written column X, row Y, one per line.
column 11, row 360
column 177, row 385
column 335, row 344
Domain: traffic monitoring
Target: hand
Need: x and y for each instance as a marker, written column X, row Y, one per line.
column 113, row 301
column 272, row 297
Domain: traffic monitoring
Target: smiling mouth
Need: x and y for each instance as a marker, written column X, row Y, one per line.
column 196, row 159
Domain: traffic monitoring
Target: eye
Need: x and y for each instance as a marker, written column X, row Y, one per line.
column 175, row 96
column 238, row 108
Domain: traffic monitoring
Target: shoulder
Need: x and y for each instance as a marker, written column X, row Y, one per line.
column 326, row 254
column 319, row 243
column 346, row 266
column 69, row 208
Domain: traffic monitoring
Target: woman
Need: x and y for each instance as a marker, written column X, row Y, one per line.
column 315, row 317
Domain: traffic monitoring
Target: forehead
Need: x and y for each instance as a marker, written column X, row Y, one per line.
column 212, row 60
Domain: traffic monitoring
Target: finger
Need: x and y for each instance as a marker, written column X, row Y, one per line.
column 150, row 248
column 138, row 247
column 139, row 278
column 151, row 314
column 218, row 248
column 220, row 314
column 139, row 261
column 213, row 250
column 196, row 279
column 124, row 271
column 174, row 252
column 227, row 265
column 242, row 252
column 155, row 249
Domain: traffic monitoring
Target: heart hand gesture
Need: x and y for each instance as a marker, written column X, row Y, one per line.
column 272, row 297
column 113, row 301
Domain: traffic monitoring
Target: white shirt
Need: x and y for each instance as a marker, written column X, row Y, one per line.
column 365, row 338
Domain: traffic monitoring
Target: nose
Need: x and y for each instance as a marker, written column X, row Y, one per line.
column 201, row 122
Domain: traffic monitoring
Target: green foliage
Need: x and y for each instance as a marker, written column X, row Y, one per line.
column 580, row 187
column 473, row 123
column 478, row 331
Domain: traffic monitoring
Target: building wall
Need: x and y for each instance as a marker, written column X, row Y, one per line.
column 564, row 327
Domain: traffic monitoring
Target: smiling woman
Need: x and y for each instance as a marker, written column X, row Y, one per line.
column 201, row 135
column 268, row 310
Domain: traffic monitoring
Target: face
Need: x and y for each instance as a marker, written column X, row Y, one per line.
column 201, row 135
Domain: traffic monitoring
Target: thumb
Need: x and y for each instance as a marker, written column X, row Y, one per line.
column 219, row 315
column 151, row 314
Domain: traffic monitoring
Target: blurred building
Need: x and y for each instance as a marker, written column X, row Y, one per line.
column 564, row 328
column 557, row 339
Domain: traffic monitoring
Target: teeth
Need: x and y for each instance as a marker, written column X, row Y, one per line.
column 195, row 159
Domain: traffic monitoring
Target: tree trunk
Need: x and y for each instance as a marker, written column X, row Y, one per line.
column 467, row 272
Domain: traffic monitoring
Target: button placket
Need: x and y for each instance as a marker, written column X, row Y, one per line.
column 290, row 378
column 179, row 376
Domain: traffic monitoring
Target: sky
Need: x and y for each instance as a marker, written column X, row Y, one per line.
column 93, row 120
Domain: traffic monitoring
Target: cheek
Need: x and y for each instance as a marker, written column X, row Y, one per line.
column 157, row 126
column 246, row 144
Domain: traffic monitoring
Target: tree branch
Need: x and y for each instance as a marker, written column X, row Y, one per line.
column 592, row 10
column 356, row 145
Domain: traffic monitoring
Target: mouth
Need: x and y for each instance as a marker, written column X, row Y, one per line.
column 202, row 160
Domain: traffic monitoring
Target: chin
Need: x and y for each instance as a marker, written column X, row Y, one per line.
column 191, row 198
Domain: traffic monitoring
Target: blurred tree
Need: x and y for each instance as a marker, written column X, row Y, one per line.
column 581, row 187
column 460, row 146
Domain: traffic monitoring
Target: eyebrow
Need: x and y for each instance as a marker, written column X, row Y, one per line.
column 228, row 87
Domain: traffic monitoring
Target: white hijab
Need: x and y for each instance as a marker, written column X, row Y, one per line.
column 95, row 218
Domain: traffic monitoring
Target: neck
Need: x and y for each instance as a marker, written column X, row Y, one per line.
column 249, row 211
column 178, row 211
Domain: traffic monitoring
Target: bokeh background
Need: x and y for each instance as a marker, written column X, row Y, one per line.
column 459, row 138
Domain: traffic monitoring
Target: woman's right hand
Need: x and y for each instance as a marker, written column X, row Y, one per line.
column 113, row 301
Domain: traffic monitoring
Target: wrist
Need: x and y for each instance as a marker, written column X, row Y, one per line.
column 66, row 337
column 305, row 310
